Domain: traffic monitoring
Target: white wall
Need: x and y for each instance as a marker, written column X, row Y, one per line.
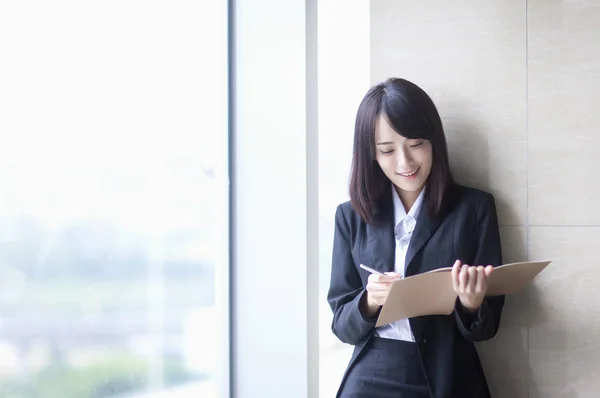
column 343, row 80
column 274, row 200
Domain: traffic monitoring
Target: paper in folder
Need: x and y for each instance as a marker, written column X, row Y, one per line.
column 431, row 293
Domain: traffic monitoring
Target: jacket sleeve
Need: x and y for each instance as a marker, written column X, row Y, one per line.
column 346, row 289
column 484, row 324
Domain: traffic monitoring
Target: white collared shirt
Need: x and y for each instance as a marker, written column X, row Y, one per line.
column 404, row 227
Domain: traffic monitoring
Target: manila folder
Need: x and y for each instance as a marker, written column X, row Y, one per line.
column 432, row 293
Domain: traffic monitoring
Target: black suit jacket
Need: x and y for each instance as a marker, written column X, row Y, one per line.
column 466, row 229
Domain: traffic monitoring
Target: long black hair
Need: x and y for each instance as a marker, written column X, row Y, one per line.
column 412, row 114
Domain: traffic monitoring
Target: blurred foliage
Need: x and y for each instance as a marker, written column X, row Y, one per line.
column 118, row 375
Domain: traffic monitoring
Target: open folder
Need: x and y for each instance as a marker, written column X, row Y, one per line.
column 431, row 293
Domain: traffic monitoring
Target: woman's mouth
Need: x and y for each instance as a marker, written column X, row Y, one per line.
column 410, row 173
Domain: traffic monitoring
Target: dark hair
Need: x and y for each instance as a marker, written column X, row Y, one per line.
column 412, row 114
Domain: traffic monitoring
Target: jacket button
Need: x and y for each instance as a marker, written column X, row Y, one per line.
column 423, row 340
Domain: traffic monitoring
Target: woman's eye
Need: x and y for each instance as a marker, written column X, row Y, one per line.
column 417, row 144
column 387, row 152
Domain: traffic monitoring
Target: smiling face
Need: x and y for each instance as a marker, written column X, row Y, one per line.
column 406, row 162
column 408, row 145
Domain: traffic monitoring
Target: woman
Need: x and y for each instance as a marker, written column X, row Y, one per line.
column 406, row 216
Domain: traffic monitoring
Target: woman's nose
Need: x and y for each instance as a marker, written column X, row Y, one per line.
column 402, row 160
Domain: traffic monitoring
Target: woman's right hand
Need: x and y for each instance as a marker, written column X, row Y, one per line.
column 378, row 287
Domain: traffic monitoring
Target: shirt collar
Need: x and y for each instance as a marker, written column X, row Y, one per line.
column 400, row 213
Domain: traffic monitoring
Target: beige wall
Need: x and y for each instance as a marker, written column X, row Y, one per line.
column 518, row 86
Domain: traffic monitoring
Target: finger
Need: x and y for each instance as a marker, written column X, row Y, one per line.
column 378, row 287
column 488, row 270
column 463, row 278
column 379, row 295
column 472, row 271
column 454, row 274
column 381, row 278
column 376, row 278
column 372, row 291
column 393, row 275
column 481, row 285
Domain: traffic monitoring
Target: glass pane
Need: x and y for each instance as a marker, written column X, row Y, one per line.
column 113, row 124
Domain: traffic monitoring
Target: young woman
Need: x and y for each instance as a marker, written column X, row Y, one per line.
column 406, row 216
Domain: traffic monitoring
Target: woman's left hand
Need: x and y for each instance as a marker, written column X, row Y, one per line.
column 470, row 284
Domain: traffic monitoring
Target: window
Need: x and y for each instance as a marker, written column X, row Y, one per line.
column 114, row 209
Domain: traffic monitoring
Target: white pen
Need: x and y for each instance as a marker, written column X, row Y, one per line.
column 371, row 270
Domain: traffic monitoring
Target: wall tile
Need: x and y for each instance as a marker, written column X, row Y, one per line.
column 514, row 244
column 564, row 82
column 504, row 358
column 470, row 58
column 564, row 326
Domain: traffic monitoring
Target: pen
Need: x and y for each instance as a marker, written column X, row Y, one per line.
column 371, row 270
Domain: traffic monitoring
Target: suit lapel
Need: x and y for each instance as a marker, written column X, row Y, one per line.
column 426, row 226
column 382, row 244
